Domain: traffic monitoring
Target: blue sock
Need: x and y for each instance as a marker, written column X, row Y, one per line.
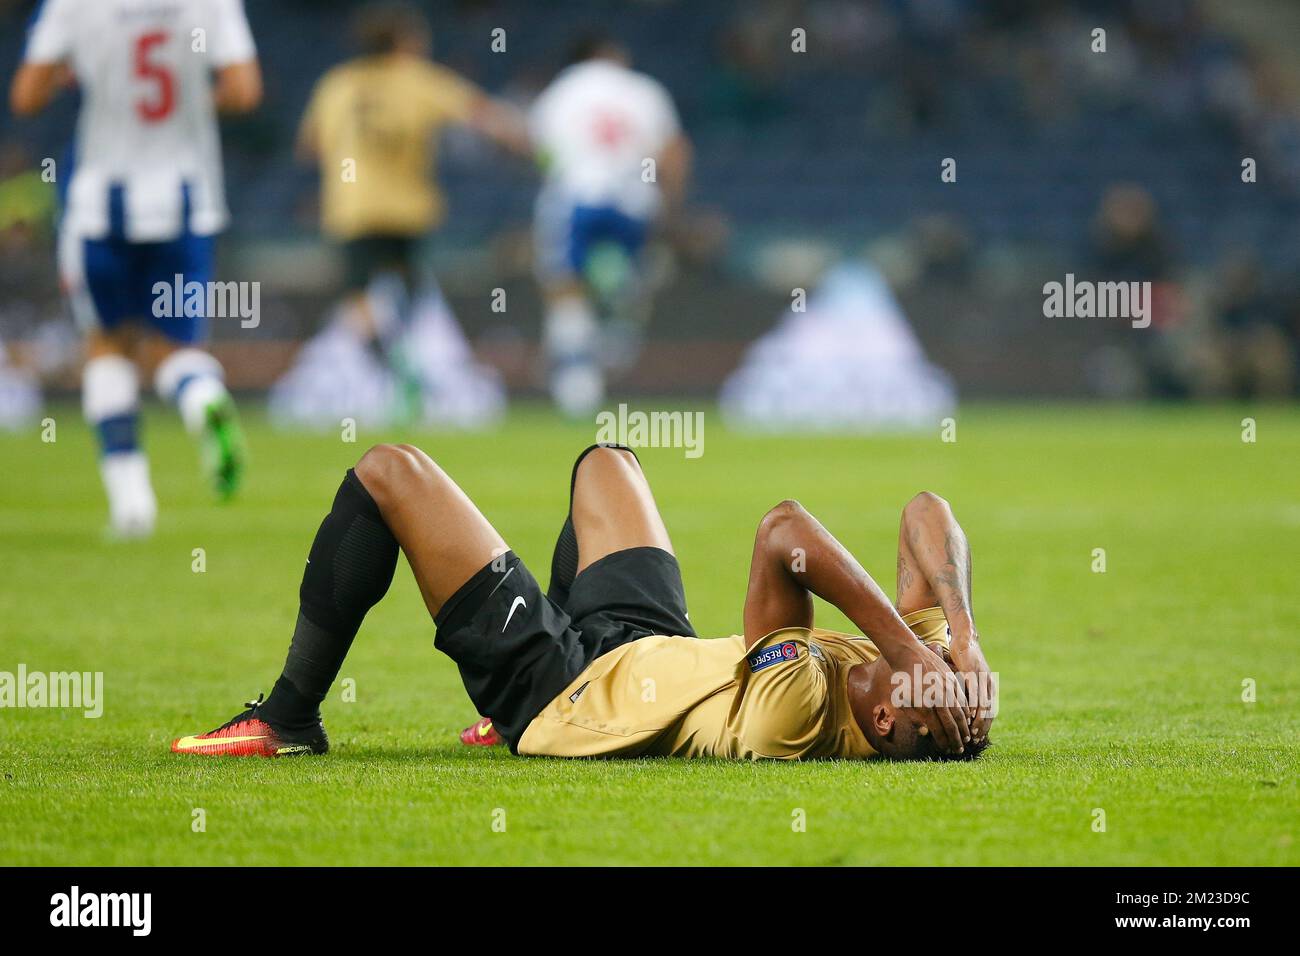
column 119, row 433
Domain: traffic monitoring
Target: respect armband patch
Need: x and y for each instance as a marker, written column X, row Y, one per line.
column 770, row 656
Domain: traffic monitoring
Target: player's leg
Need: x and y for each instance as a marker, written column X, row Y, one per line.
column 570, row 339
column 110, row 397
column 382, row 286
column 606, row 485
column 611, row 508
column 376, row 308
column 359, row 311
column 95, row 275
column 192, row 380
column 514, row 648
column 443, row 534
column 186, row 375
column 626, row 582
column 570, row 329
column 613, row 569
column 395, row 497
column 613, row 273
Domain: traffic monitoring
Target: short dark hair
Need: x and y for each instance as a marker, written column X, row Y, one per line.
column 927, row 749
column 379, row 27
column 590, row 44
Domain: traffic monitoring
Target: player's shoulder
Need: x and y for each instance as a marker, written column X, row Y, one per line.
column 787, row 645
column 335, row 73
column 783, row 691
column 644, row 86
column 200, row 10
column 570, row 77
column 64, row 15
column 412, row 78
column 340, row 76
column 433, row 71
column 594, row 73
column 646, row 81
column 839, row 644
column 48, row 9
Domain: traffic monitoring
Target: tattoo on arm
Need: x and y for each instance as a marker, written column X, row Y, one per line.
column 905, row 577
column 952, row 579
column 948, row 572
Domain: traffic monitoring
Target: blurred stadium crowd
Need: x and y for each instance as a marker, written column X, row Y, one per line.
column 1123, row 165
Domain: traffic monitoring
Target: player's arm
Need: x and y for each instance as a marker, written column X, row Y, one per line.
column 234, row 57
column 44, row 70
column 306, row 147
column 307, row 144
column 500, row 121
column 795, row 558
column 933, row 545
column 673, row 162
column 239, row 87
column 675, row 169
column 34, row 86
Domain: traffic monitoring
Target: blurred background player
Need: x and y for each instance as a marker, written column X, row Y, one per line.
column 143, row 204
column 778, row 139
column 373, row 124
column 614, row 156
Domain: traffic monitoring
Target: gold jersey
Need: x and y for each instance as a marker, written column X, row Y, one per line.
column 376, row 121
column 785, row 698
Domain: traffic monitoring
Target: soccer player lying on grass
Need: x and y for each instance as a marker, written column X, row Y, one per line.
column 606, row 663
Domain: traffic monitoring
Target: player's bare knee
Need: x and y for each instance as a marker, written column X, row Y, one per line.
column 388, row 471
column 373, row 467
column 416, row 457
column 607, row 456
column 602, row 464
column 603, row 477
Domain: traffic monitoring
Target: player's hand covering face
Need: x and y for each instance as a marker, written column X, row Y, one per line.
column 920, row 676
column 968, row 659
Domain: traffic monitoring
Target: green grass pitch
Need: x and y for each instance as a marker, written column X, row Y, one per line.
column 1122, row 690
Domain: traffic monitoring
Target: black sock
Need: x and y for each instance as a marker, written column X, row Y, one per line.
column 564, row 564
column 349, row 569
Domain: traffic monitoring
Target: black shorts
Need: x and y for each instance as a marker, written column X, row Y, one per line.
column 368, row 256
column 516, row 649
